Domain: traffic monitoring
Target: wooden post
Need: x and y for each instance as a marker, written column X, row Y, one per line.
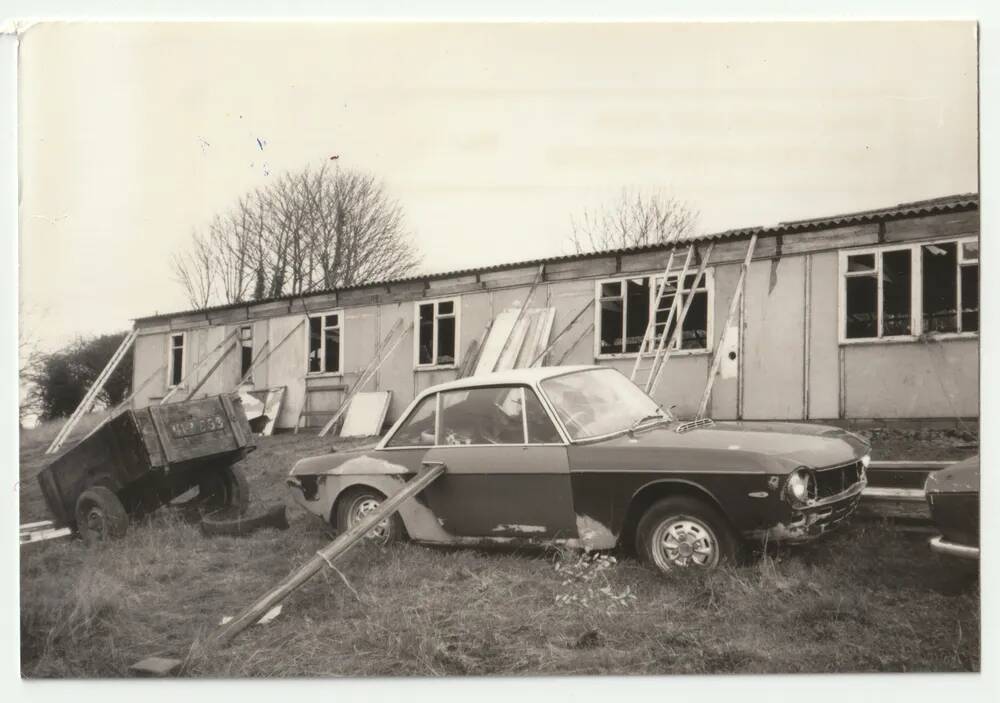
column 520, row 315
column 325, row 556
column 733, row 306
column 563, row 331
column 657, row 371
column 197, row 366
column 365, row 377
column 91, row 394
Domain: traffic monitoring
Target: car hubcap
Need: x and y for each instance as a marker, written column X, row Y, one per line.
column 684, row 542
column 362, row 509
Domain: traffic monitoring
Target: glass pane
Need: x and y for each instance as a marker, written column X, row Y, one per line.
column 418, row 429
column 637, row 318
column 446, row 307
column 861, row 263
column 332, row 320
column 246, row 334
column 425, row 353
column 611, row 327
column 540, row 427
column 331, row 357
column 177, row 365
column 482, row 416
column 689, row 281
column 896, row 278
column 940, row 283
column 315, row 342
column 970, row 298
column 970, row 251
column 611, row 290
column 446, row 340
column 246, row 360
column 595, row 402
column 694, row 333
column 862, row 303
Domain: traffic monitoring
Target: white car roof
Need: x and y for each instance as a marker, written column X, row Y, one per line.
column 512, row 376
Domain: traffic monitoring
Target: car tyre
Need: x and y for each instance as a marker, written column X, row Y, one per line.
column 356, row 503
column 682, row 531
column 100, row 515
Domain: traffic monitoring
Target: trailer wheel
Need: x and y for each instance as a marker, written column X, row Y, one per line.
column 100, row 515
column 223, row 488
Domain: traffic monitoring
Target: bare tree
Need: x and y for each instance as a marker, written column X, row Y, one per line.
column 318, row 228
column 634, row 219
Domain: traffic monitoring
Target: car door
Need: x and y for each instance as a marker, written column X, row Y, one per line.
column 512, row 475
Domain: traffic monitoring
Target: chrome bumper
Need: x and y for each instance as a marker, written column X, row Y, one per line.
column 953, row 549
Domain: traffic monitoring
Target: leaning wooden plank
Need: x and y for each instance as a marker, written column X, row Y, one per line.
column 367, row 413
column 208, row 374
column 43, row 535
column 489, row 352
column 733, row 307
column 264, row 356
column 201, row 362
column 325, row 556
column 92, row 392
column 572, row 346
column 128, row 399
column 362, row 381
column 512, row 344
column 562, row 332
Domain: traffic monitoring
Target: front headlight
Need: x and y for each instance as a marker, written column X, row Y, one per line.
column 866, row 460
column 800, row 487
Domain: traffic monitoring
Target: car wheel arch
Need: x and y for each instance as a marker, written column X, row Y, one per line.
column 650, row 492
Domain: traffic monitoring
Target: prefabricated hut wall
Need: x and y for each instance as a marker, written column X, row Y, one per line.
column 785, row 356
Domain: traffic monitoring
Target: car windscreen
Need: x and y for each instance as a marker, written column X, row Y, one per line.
column 597, row 402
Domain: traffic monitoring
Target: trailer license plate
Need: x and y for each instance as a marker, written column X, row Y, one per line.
column 196, row 425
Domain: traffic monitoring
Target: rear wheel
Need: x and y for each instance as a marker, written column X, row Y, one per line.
column 100, row 515
column 217, row 489
column 357, row 504
column 680, row 532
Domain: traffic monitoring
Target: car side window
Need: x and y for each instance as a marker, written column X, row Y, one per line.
column 482, row 416
column 540, row 427
column 419, row 427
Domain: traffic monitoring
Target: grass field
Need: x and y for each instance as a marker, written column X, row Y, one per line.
column 868, row 599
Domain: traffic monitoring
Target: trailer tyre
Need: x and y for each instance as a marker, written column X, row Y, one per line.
column 224, row 488
column 100, row 515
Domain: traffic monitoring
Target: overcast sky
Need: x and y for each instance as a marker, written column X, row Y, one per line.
column 491, row 136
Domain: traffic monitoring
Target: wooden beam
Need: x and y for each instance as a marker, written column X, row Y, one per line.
column 208, row 374
column 573, row 345
column 520, row 316
column 262, row 356
column 128, row 399
column 563, row 331
column 734, row 305
column 430, row 472
column 197, row 366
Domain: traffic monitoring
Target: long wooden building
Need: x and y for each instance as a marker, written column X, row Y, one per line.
column 864, row 316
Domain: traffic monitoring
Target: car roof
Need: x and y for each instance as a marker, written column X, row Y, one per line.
column 509, row 377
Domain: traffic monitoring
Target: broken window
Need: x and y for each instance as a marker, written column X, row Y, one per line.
column 950, row 286
column 482, row 416
column 176, row 359
column 246, row 351
column 324, row 343
column 624, row 313
column 420, row 428
column 437, row 333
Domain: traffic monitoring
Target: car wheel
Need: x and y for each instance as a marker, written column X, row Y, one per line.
column 100, row 516
column 358, row 503
column 680, row 532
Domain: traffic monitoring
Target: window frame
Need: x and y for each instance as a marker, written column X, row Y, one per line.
column 653, row 281
column 916, row 289
column 525, row 387
column 456, row 314
column 339, row 312
column 170, row 358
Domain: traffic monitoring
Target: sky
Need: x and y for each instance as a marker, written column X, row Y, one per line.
column 491, row 136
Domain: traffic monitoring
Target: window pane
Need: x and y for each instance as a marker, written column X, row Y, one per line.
column 540, row 427
column 970, row 298
column 446, row 307
column 177, row 361
column 446, row 340
column 694, row 333
column 970, row 251
column 331, row 357
column 418, row 429
column 611, row 327
column 315, row 340
column 689, row 281
column 862, row 302
column 246, row 360
column 611, row 290
column 425, row 350
column 896, row 293
column 637, row 317
column 663, row 312
column 861, row 263
column 482, row 416
column 940, row 292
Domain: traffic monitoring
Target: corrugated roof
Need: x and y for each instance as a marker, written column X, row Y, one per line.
column 952, row 203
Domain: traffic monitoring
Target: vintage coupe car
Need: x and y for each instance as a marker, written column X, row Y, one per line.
column 953, row 497
column 578, row 455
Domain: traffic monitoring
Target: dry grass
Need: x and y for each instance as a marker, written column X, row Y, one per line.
column 870, row 599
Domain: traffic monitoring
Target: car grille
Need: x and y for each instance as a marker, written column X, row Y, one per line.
column 830, row 482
